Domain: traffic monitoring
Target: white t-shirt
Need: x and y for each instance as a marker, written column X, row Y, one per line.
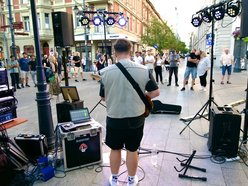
column 138, row 60
column 226, row 59
column 203, row 65
column 159, row 62
column 149, row 60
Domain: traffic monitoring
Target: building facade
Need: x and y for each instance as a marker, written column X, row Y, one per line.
column 138, row 14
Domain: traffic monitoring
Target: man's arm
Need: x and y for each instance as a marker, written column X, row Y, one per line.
column 152, row 88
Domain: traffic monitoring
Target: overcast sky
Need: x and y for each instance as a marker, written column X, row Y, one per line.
column 169, row 9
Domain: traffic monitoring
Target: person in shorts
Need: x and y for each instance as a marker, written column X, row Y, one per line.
column 191, row 68
column 125, row 110
column 226, row 61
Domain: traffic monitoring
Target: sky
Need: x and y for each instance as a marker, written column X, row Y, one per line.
column 178, row 14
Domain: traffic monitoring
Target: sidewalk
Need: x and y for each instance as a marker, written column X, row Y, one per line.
column 162, row 130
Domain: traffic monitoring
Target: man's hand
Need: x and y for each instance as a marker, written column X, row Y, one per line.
column 153, row 94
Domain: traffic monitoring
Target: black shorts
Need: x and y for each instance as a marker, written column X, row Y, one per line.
column 125, row 132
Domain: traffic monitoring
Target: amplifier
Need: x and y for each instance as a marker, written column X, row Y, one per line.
column 33, row 146
column 63, row 110
column 82, row 147
column 224, row 131
column 7, row 109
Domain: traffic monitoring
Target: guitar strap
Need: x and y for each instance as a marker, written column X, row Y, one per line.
column 134, row 84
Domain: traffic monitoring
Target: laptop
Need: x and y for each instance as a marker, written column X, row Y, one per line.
column 80, row 116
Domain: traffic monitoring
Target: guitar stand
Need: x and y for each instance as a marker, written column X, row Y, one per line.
column 187, row 165
column 99, row 102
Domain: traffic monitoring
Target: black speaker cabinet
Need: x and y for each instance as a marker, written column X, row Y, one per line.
column 33, row 146
column 224, row 131
column 63, row 30
column 244, row 20
column 63, row 108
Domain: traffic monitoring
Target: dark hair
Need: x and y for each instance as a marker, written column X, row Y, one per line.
column 12, row 56
column 24, row 53
column 122, row 45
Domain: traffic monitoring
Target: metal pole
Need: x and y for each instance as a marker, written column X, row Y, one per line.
column 86, row 41
column 211, row 72
column 105, row 39
column 11, row 30
column 245, row 134
column 64, row 62
column 42, row 96
column 237, row 64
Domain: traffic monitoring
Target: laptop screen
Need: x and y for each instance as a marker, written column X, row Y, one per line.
column 80, row 115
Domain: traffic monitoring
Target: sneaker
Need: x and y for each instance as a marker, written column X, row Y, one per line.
column 18, row 87
column 84, row 79
column 27, row 85
column 191, row 88
column 177, row 85
column 113, row 182
column 168, row 85
column 222, row 82
column 201, row 89
column 183, row 89
column 162, row 83
column 228, row 82
column 204, row 89
column 133, row 182
column 76, row 80
column 22, row 86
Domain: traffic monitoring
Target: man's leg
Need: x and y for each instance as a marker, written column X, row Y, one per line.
column 229, row 71
column 26, row 79
column 115, row 161
column 132, row 162
column 223, row 74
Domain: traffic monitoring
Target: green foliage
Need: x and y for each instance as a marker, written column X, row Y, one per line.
column 159, row 33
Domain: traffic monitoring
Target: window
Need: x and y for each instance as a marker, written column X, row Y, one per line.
column 47, row 22
column 26, row 24
column 38, row 18
column 24, row 1
column 78, row 24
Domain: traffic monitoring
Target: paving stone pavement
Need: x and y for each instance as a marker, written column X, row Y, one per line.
column 162, row 130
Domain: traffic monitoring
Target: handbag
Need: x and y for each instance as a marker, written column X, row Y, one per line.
column 146, row 100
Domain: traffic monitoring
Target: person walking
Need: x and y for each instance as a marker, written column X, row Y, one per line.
column 158, row 68
column 23, row 63
column 125, row 110
column 173, row 68
column 226, row 61
column 137, row 58
column 32, row 69
column 202, row 69
column 13, row 68
column 191, row 68
column 149, row 61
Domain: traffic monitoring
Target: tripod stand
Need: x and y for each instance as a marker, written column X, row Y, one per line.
column 200, row 113
column 99, row 102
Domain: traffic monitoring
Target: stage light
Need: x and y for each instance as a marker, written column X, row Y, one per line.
column 196, row 20
column 206, row 16
column 122, row 21
column 110, row 20
column 219, row 13
column 233, row 8
column 84, row 20
column 97, row 21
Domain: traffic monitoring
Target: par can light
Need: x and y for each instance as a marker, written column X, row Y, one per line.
column 97, row 20
column 196, row 20
column 122, row 21
column 84, row 20
column 110, row 20
column 206, row 16
column 219, row 12
column 233, row 8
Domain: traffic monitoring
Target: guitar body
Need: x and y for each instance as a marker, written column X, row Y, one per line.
column 161, row 108
column 147, row 111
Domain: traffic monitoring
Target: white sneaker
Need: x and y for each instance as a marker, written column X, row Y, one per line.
column 204, row 89
column 112, row 182
column 135, row 181
column 201, row 89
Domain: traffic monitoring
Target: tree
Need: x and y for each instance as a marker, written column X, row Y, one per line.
column 159, row 33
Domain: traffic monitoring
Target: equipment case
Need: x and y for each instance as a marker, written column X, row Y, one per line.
column 82, row 147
